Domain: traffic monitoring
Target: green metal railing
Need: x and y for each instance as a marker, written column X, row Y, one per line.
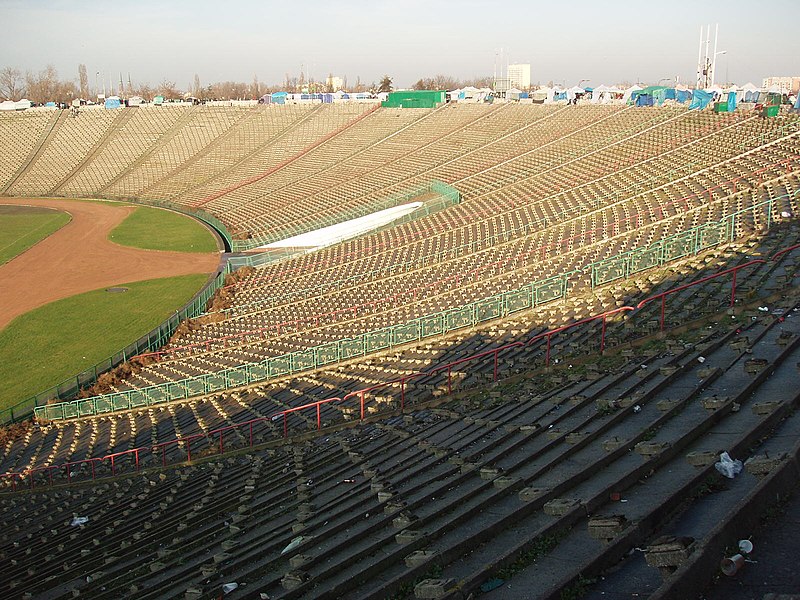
column 669, row 249
column 448, row 193
column 447, row 196
column 149, row 342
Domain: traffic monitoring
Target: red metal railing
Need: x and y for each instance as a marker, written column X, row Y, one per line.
column 216, row 437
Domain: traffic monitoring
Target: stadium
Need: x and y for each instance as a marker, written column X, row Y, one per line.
column 509, row 349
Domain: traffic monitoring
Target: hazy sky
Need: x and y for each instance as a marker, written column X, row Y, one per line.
column 604, row 41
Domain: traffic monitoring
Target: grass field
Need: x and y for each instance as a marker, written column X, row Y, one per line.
column 23, row 226
column 46, row 346
column 156, row 229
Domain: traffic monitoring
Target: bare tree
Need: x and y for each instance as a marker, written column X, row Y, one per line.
column 83, row 79
column 197, row 91
column 42, row 86
column 256, row 88
column 12, row 85
column 168, row 90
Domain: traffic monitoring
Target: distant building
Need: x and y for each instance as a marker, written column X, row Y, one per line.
column 786, row 85
column 519, row 76
column 333, row 83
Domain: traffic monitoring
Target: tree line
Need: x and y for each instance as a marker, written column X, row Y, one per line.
column 47, row 86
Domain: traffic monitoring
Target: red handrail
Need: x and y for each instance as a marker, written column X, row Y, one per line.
column 680, row 288
column 361, row 393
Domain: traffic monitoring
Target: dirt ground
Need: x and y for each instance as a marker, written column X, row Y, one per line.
column 79, row 258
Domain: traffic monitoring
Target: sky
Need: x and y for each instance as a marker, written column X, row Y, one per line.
column 602, row 41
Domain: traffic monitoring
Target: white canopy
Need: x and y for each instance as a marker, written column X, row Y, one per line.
column 749, row 87
column 627, row 95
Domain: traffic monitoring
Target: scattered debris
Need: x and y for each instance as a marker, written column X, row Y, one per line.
column 229, row 587
column 77, row 521
column 727, row 466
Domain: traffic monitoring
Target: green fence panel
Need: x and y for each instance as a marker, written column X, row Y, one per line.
column 432, row 325
column 257, row 372
column 328, row 353
column 195, row 387
column 647, row 258
column 549, row 289
column 71, row 410
column 237, row 376
column 378, row 340
column 103, row 404
column 518, row 300
column 679, row 246
column 352, row 347
column 280, row 365
column 158, row 394
column 458, row 318
column 407, row 332
column 54, row 412
column 712, row 234
column 86, row 407
column 175, row 391
column 491, row 308
column 215, row 381
column 123, row 403
column 304, row 360
column 609, row 270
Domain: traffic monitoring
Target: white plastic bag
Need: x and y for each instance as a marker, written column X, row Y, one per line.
column 727, row 466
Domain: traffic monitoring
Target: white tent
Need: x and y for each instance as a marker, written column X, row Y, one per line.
column 22, row 104
column 627, row 95
column 749, row 87
column 8, row 105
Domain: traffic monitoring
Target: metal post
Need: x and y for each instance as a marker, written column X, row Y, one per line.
column 92, row 463
column 113, row 467
column 496, row 352
column 189, row 450
column 319, row 419
column 361, row 393
column 221, row 443
column 603, row 336
column 547, row 356
column 663, row 309
column 402, row 393
column 449, row 380
column 733, row 288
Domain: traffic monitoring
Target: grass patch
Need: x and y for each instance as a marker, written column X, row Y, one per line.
column 46, row 346
column 24, row 226
column 156, row 229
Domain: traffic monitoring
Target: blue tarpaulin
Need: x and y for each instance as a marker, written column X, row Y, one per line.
column 700, row 99
column 731, row 101
column 683, row 96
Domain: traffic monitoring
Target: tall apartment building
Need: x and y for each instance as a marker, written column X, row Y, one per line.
column 519, row 76
column 786, row 85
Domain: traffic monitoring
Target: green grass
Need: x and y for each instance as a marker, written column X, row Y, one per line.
column 156, row 229
column 46, row 346
column 21, row 227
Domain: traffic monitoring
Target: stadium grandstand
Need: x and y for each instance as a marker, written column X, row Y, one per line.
column 566, row 367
